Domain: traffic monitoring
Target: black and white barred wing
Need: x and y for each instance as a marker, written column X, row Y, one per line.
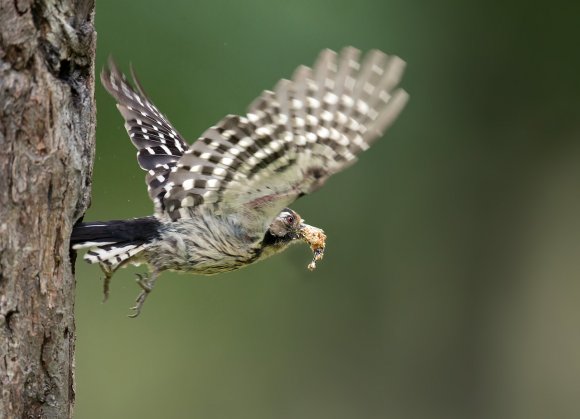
column 160, row 145
column 292, row 139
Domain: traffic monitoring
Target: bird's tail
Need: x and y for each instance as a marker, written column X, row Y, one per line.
column 110, row 243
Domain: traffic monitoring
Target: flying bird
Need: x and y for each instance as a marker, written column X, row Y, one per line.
column 222, row 202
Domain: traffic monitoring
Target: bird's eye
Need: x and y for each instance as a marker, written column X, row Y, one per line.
column 290, row 219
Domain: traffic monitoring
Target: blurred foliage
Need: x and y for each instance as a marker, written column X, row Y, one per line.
column 451, row 283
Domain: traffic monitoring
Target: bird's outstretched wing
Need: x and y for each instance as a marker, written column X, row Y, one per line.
column 160, row 145
column 292, row 139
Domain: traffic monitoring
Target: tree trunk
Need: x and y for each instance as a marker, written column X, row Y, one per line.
column 47, row 125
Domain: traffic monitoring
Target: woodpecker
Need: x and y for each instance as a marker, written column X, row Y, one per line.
column 222, row 203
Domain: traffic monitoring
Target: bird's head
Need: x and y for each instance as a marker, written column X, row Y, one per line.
column 283, row 231
column 287, row 228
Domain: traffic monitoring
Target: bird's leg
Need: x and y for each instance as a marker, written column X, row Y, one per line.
column 106, row 285
column 146, row 282
column 106, row 280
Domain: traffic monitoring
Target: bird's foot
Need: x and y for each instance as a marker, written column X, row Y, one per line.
column 146, row 282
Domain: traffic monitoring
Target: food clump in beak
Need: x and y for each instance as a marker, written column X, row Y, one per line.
column 316, row 238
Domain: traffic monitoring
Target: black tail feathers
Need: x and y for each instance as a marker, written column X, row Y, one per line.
column 112, row 243
column 97, row 233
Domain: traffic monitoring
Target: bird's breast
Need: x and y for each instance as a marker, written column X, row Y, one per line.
column 205, row 245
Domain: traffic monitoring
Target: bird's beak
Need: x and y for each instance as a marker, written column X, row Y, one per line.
column 301, row 229
column 297, row 233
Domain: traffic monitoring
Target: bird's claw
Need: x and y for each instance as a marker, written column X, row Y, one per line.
column 140, row 300
column 146, row 283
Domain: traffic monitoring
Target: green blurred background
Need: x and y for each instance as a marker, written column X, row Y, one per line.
column 451, row 283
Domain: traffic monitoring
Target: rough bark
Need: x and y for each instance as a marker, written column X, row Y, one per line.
column 47, row 122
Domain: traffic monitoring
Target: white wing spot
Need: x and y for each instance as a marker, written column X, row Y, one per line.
column 275, row 145
column 341, row 118
column 219, row 171
column 354, row 125
column 297, row 104
column 384, row 96
column 299, row 122
column 187, row 201
column 342, row 139
column 334, row 134
column 348, row 101
column 212, row 183
column 252, row 161
column 264, row 131
column 327, row 116
column 323, row 132
column 313, row 103
column 331, row 98
column 362, row 107
column 246, row 142
column 360, row 142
